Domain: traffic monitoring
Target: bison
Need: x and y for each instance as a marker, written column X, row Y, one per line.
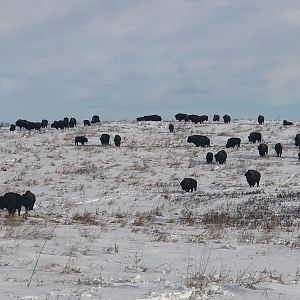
column 299, row 156
column 28, row 201
column 297, row 140
column 104, row 139
column 262, row 149
column 12, row 127
column 199, row 140
column 233, row 142
column 95, row 119
column 221, row 157
column 117, row 140
column 216, row 118
column 252, row 177
column 149, row 118
column 198, row 119
column 209, row 157
column 254, row 136
column 72, row 122
column 287, row 123
column 171, row 128
column 189, row 184
column 21, row 123
column 80, row 139
column 261, row 119
column 278, row 149
column 226, row 119
column 44, row 123
column 12, row 202
column 86, row 123
column 181, row 117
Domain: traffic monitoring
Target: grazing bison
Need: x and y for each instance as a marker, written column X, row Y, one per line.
column 117, row 140
column 199, row 140
column 104, row 139
column 209, row 157
column 80, row 139
column 278, row 149
column 149, row 118
column 252, row 177
column 262, row 149
column 221, row 157
column 287, row 123
column 297, row 140
column 12, row 127
column 198, row 119
column 58, row 124
column 86, row 123
column 181, row 117
column 12, row 202
column 28, row 200
column 254, row 136
column 189, row 184
column 261, row 119
column 171, row 128
column 233, row 142
column 44, row 123
column 226, row 119
column 95, row 119
column 216, row 118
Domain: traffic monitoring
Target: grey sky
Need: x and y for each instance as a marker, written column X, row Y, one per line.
column 125, row 58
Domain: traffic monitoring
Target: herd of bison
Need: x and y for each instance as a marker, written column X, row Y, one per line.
column 13, row 201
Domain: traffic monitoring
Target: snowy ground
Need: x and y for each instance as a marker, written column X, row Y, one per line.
column 113, row 223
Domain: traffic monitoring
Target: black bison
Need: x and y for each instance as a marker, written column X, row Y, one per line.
column 216, row 118
column 261, row 119
column 221, row 157
column 226, row 119
column 72, row 122
column 149, row 118
column 278, row 149
column 287, row 123
column 14, row 201
column 21, row 123
column 66, row 121
column 80, row 139
column 95, row 119
column 252, row 177
column 61, row 124
column 171, row 128
column 181, row 117
column 12, row 127
column 299, row 156
column 104, row 139
column 44, row 123
column 297, row 140
column 86, row 123
column 189, row 184
column 198, row 119
column 233, row 142
column 199, row 140
column 262, row 149
column 117, row 140
column 209, row 157
column 254, row 136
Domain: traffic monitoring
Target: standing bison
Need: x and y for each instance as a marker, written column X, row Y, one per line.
column 253, row 177
column 80, row 139
column 95, row 119
column 233, row 142
column 297, row 140
column 216, row 118
column 198, row 119
column 189, row 184
column 171, row 128
column 261, row 119
column 278, row 149
column 117, row 140
column 86, row 123
column 299, row 156
column 12, row 127
column 221, row 157
column 28, row 200
column 226, row 118
column 287, row 123
column 254, row 136
column 199, row 140
column 149, row 118
column 262, row 149
column 209, row 157
column 44, row 123
column 104, row 139
column 181, row 117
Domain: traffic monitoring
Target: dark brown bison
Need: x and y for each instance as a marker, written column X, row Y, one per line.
column 297, row 140
column 199, row 140
column 117, row 140
column 253, row 177
column 189, row 184
column 198, row 119
column 181, row 117
column 171, row 128
column 44, row 123
column 254, row 136
column 221, row 157
column 209, row 157
column 261, row 119
column 72, row 122
column 262, row 149
column 216, row 118
column 86, row 123
column 95, row 119
column 80, row 139
column 233, row 142
column 12, row 127
column 149, row 118
column 299, row 156
column 104, row 139
column 12, row 202
column 28, row 201
column 287, row 123
column 278, row 149
column 226, row 118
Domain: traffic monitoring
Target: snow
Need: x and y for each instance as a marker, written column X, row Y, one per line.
column 113, row 223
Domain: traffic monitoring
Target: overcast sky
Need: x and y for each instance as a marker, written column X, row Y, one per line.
column 124, row 58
